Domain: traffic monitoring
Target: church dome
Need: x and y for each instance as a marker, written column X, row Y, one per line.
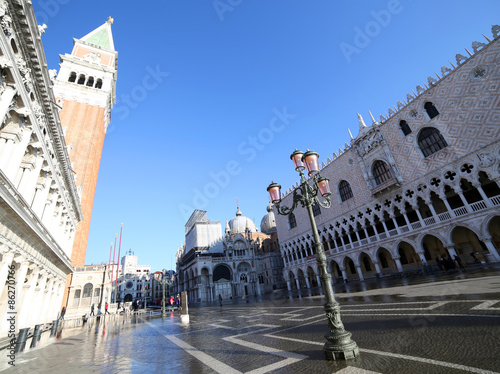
column 268, row 223
column 240, row 223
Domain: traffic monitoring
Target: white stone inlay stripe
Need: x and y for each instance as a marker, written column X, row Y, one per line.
column 397, row 355
column 486, row 305
column 355, row 370
column 211, row 362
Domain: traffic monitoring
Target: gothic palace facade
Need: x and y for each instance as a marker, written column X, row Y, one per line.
column 420, row 183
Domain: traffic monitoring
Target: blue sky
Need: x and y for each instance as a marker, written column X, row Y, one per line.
column 239, row 85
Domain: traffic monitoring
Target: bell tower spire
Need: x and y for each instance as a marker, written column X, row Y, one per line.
column 85, row 88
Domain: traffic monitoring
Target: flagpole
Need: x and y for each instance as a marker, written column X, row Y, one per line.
column 119, row 248
column 114, row 264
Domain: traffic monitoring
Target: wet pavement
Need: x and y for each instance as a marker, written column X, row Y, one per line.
column 444, row 323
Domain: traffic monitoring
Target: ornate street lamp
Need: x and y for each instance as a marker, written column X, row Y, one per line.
column 339, row 345
column 165, row 281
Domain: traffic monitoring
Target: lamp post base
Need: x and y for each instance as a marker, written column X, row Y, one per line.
column 340, row 347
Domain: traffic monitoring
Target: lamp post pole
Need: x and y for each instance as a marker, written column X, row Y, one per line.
column 339, row 345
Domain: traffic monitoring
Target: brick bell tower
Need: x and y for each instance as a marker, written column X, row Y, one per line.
column 85, row 89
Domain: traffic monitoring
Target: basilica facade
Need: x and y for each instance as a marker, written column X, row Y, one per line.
column 241, row 263
column 418, row 184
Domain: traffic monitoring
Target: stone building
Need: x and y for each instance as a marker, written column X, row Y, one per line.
column 51, row 132
column 420, row 183
column 91, row 284
column 243, row 262
column 134, row 281
column 39, row 201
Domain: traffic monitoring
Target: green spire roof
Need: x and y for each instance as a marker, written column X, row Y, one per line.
column 101, row 36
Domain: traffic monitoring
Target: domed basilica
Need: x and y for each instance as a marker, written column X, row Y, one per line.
column 241, row 263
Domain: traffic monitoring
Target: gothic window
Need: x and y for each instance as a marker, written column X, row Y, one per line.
column 430, row 109
column 316, row 209
column 72, row 77
column 430, row 141
column 292, row 221
column 405, row 128
column 97, row 292
column 77, row 294
column 345, row 190
column 243, row 278
column 90, row 82
column 81, row 79
column 381, row 172
column 98, row 84
column 87, row 290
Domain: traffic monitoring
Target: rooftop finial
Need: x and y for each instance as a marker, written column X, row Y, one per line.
column 362, row 124
column 374, row 121
column 350, row 134
column 110, row 20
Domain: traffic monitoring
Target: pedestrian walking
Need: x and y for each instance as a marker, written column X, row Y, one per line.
column 439, row 264
column 92, row 310
column 473, row 255
column 220, row 299
column 458, row 260
column 106, row 305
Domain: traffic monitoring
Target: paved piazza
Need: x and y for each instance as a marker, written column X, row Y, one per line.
column 451, row 325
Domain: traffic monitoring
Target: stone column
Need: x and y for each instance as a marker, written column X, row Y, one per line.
column 28, row 306
column 464, row 200
column 451, row 250
column 491, row 247
column 415, row 208
column 385, row 226
column 37, row 300
column 422, row 258
column 431, row 207
column 479, row 188
column 360, row 273
column 393, row 217
column 375, row 229
column 448, row 207
column 377, row 267
column 398, row 264
column 5, row 100
column 17, row 154
column 297, row 282
column 307, row 282
column 7, row 258
column 344, row 274
column 288, row 285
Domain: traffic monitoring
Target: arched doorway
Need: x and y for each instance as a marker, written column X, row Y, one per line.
column 336, row 272
column 494, row 230
column 293, row 283
column 386, row 263
column 222, row 281
column 469, row 247
column 128, row 298
column 408, row 257
column 367, row 266
column 433, row 248
column 301, row 278
column 350, row 269
column 311, row 276
column 204, row 286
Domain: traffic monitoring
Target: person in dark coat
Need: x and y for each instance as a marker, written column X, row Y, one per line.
column 92, row 310
column 220, row 299
column 458, row 260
